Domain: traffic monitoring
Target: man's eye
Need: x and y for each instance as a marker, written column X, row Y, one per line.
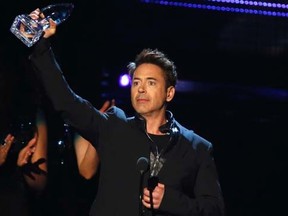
column 151, row 83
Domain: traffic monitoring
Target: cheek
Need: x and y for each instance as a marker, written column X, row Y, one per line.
column 159, row 97
column 133, row 92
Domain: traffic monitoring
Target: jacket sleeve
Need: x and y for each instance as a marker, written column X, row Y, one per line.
column 75, row 110
column 207, row 197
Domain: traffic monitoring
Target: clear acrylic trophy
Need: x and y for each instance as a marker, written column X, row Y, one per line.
column 29, row 30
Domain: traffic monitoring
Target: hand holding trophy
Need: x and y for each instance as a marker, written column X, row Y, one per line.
column 29, row 28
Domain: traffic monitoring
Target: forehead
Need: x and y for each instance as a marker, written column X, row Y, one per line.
column 148, row 70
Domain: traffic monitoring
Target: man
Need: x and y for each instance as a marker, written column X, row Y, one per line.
column 181, row 178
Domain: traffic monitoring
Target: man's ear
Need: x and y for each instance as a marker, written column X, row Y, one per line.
column 170, row 93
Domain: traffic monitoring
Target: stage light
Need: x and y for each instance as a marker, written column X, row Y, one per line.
column 124, row 80
column 232, row 6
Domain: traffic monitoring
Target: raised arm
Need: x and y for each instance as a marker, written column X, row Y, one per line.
column 64, row 99
column 87, row 157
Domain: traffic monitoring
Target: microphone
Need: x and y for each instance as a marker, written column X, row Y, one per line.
column 142, row 167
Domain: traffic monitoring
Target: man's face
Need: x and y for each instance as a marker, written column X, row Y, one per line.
column 148, row 90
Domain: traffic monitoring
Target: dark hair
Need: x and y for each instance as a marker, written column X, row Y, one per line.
column 158, row 58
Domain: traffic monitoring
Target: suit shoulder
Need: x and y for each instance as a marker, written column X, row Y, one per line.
column 193, row 138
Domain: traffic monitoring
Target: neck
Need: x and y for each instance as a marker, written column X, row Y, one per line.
column 153, row 124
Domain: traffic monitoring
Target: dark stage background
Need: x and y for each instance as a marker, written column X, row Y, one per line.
column 234, row 92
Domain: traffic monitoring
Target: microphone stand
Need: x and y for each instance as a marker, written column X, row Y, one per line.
column 142, row 166
column 152, row 183
column 151, row 201
column 141, row 194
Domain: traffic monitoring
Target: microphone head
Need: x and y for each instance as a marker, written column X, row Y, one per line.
column 142, row 164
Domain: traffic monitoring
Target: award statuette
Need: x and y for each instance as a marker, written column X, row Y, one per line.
column 29, row 31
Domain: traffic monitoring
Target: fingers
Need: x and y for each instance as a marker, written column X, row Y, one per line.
column 24, row 158
column 35, row 14
column 31, row 146
column 5, row 147
column 32, row 142
column 25, row 155
column 52, row 23
column 157, row 196
column 9, row 140
column 112, row 102
column 51, row 30
column 107, row 104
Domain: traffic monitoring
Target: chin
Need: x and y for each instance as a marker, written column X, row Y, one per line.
column 141, row 111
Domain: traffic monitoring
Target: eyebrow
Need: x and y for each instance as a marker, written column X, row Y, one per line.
column 147, row 78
